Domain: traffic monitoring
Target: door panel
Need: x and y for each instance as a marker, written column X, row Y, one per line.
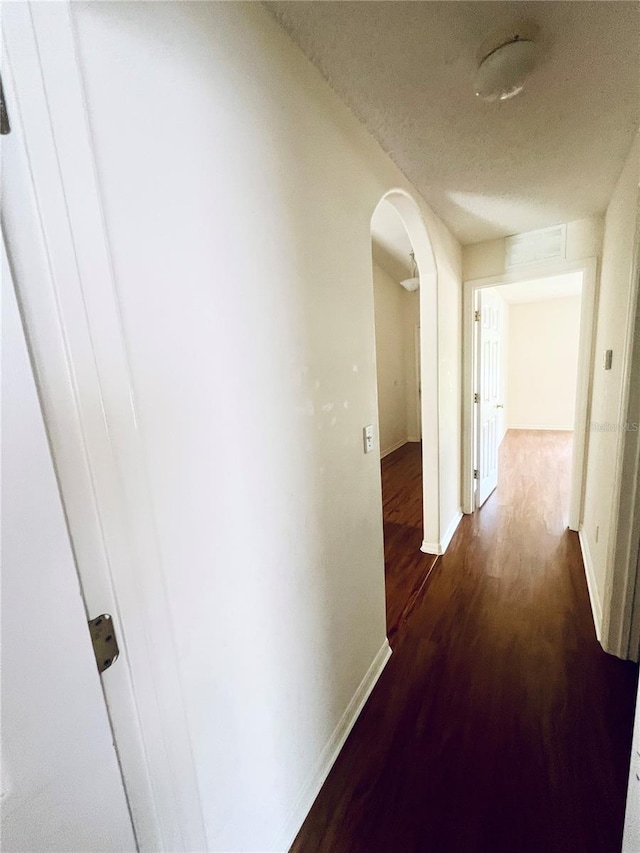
column 488, row 389
column 61, row 783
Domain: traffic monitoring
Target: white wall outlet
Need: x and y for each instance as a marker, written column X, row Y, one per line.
column 367, row 435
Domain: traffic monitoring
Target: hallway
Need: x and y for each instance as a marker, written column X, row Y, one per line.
column 499, row 723
column 406, row 567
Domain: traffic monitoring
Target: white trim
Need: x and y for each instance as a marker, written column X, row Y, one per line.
column 621, row 626
column 430, row 415
column 412, row 439
column 584, row 386
column 335, row 743
column 412, row 219
column 417, row 349
column 592, row 586
column 393, row 447
column 410, row 214
column 554, row 427
column 588, row 267
column 451, row 529
column 439, row 548
column 546, row 269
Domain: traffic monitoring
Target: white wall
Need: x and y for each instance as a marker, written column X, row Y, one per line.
column 390, row 360
column 503, row 416
column 615, row 314
column 449, row 387
column 543, row 363
column 411, row 320
column 238, row 193
column 397, row 314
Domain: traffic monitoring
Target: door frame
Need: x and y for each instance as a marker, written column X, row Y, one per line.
column 73, row 326
column 588, row 267
column 434, row 540
column 418, row 381
column 621, row 617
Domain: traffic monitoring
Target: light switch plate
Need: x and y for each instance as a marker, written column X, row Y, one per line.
column 367, row 436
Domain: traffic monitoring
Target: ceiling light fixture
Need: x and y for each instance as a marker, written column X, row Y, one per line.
column 503, row 72
column 413, row 283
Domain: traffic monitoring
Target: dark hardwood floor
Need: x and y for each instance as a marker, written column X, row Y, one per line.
column 406, row 567
column 499, row 724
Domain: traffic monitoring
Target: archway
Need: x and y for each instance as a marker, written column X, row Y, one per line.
column 409, row 321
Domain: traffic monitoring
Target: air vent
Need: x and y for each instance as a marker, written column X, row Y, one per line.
column 535, row 246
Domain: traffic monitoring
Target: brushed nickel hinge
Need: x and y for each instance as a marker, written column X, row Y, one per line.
column 475, row 473
column 476, row 398
column 103, row 638
column 476, row 316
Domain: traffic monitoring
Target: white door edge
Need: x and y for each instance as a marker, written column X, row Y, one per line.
column 72, row 326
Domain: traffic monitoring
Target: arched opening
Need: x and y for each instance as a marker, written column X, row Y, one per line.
column 405, row 303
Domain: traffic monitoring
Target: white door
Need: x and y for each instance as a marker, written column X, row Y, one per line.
column 61, row 785
column 488, row 393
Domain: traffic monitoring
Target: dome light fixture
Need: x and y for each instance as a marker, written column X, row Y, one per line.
column 413, row 283
column 504, row 71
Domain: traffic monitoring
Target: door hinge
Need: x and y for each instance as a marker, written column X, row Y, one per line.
column 476, row 398
column 103, row 638
column 475, row 474
column 476, row 316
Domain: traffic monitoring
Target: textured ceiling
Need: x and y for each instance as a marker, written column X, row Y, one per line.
column 550, row 155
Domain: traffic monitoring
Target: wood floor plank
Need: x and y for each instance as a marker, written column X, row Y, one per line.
column 406, row 567
column 499, row 724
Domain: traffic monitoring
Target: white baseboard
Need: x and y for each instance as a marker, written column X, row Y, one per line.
column 393, row 447
column 413, row 439
column 331, row 751
column 554, row 427
column 439, row 548
column 596, row 606
column 451, row 529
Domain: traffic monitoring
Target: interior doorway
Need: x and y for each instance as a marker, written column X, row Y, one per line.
column 397, row 323
column 539, row 380
column 527, row 342
column 396, row 289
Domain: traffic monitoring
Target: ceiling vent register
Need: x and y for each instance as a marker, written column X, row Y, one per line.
column 533, row 247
